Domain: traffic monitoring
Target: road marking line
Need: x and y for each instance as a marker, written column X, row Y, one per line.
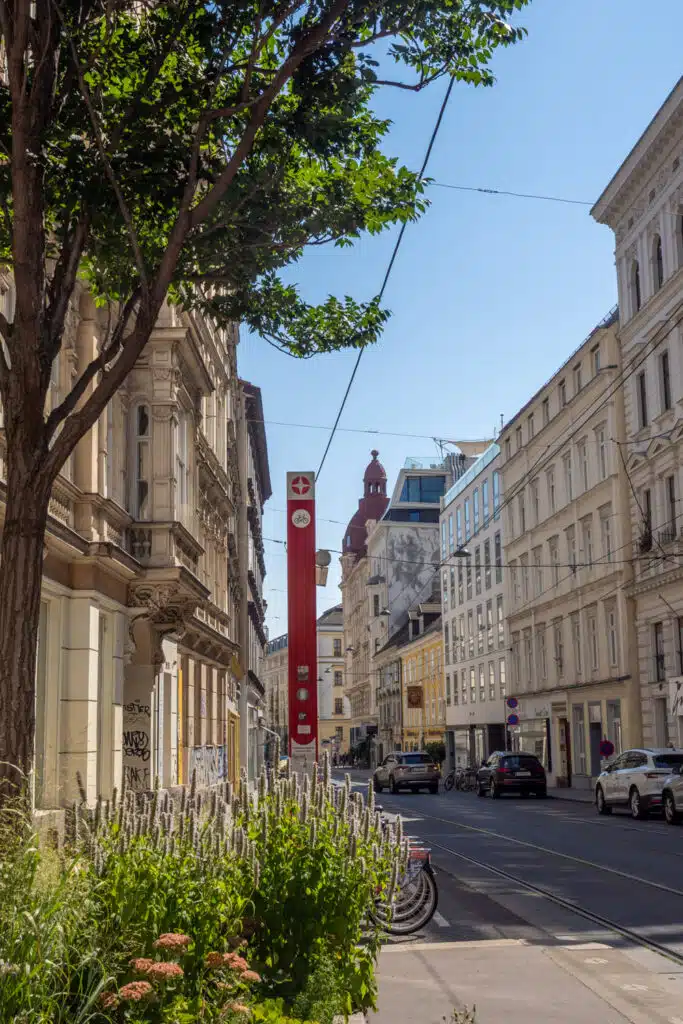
column 440, row 920
column 408, row 947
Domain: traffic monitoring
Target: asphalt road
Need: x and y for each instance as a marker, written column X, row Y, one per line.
column 629, row 873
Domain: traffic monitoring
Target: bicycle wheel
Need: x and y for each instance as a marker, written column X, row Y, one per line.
column 448, row 782
column 414, row 907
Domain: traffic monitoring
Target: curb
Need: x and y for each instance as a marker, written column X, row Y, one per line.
column 356, row 1018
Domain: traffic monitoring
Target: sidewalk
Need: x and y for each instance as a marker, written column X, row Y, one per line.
column 582, row 796
column 526, row 983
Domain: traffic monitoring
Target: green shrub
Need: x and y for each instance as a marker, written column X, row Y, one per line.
column 50, row 971
column 288, row 877
column 437, row 751
column 322, row 858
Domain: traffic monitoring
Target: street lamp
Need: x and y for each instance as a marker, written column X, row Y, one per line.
column 460, row 552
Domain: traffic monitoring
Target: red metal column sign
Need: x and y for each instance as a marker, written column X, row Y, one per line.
column 302, row 640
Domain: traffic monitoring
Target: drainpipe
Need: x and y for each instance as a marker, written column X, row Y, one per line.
column 243, row 560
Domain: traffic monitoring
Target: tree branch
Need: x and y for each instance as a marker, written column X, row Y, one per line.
column 62, row 286
column 150, row 77
column 307, row 44
column 107, row 353
column 5, row 328
column 109, row 171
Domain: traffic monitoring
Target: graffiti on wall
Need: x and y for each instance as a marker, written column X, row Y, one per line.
column 210, row 764
column 137, row 747
column 137, row 778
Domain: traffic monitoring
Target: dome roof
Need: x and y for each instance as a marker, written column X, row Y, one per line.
column 371, row 506
column 375, row 470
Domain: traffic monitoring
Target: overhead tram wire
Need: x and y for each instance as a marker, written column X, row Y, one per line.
column 448, row 563
column 390, row 267
column 515, row 195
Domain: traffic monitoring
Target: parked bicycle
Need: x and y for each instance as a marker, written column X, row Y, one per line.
column 416, row 898
column 468, row 780
column 464, row 779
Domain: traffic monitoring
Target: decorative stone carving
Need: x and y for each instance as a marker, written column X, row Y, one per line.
column 168, row 609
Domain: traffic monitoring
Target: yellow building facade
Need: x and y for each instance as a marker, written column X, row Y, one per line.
column 422, row 686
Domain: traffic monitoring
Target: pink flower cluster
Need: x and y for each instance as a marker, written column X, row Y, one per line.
column 172, row 942
column 165, row 971
column 234, row 962
column 135, row 991
column 237, row 1008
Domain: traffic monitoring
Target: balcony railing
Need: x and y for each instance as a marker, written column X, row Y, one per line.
column 667, row 535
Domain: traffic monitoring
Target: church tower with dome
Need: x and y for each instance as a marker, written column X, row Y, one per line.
column 372, row 505
column 355, row 567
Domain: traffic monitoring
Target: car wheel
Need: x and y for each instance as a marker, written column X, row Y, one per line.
column 434, row 788
column 525, row 793
column 542, row 793
column 600, row 802
column 636, row 804
column 375, row 784
column 493, row 790
column 670, row 813
column 392, row 785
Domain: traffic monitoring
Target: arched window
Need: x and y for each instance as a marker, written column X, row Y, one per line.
column 635, row 287
column 141, row 462
column 657, row 262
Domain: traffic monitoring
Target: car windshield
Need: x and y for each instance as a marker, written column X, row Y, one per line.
column 668, row 760
column 416, row 759
column 523, row 761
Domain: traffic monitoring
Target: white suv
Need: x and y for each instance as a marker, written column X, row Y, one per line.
column 635, row 779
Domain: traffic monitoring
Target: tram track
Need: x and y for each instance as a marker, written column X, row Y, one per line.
column 589, row 915
column 583, row 861
column 635, row 937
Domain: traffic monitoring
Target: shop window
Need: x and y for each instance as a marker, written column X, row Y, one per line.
column 578, row 739
column 614, row 724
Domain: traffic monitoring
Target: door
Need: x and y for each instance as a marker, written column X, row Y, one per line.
column 594, row 740
column 565, row 765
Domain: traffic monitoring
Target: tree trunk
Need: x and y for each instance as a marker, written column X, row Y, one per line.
column 21, row 564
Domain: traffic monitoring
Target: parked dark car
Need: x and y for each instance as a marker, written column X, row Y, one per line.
column 507, row 772
column 414, row 771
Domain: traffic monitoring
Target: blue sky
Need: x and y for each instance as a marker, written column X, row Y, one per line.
column 490, row 294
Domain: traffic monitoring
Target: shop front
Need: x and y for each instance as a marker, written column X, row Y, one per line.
column 589, row 727
column 532, row 735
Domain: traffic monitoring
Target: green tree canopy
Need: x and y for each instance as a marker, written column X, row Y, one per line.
column 188, row 149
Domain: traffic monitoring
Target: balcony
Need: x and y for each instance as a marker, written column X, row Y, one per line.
column 163, row 544
column 667, row 535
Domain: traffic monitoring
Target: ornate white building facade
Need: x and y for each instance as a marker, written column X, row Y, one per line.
column 643, row 204
column 140, row 645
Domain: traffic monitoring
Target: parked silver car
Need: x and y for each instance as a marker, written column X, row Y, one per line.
column 635, row 779
column 414, row 771
column 672, row 796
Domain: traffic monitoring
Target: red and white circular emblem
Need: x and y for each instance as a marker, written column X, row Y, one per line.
column 301, row 485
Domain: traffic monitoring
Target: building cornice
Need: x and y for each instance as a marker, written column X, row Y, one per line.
column 652, row 583
column 640, row 162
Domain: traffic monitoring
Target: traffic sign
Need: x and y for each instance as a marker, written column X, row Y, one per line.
column 513, row 719
column 606, row 748
column 512, row 702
